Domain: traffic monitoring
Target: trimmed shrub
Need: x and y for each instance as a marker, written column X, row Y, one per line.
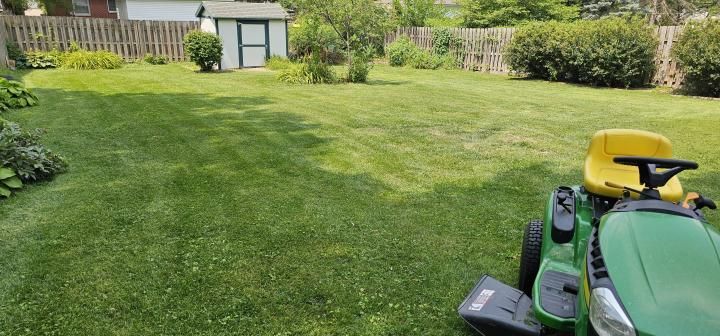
column 401, row 51
column 615, row 52
column 312, row 70
column 13, row 94
column 698, row 54
column 277, row 63
column 91, row 60
column 205, row 49
column 22, row 152
column 156, row 60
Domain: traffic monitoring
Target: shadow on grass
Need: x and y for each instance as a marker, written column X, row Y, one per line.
column 180, row 209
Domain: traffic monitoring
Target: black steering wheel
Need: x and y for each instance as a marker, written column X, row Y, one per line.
column 647, row 166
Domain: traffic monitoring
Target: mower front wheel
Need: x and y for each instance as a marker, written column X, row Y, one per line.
column 530, row 257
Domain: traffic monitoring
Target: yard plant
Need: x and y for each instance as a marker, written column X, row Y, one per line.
column 205, row 49
column 616, row 52
column 14, row 94
column 698, row 54
column 233, row 204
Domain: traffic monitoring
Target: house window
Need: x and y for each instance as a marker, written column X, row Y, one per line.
column 81, row 7
column 112, row 7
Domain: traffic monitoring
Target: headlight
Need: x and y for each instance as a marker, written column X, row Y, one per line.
column 607, row 316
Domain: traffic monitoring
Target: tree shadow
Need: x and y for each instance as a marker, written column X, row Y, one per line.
column 179, row 209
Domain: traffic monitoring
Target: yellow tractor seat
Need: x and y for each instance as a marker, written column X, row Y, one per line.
column 606, row 144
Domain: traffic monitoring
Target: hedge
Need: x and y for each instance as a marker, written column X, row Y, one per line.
column 614, row 52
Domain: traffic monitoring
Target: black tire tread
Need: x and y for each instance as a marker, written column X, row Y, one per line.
column 530, row 257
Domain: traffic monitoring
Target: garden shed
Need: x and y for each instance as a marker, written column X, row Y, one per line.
column 250, row 32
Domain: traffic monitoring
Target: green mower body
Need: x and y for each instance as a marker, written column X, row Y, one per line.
column 605, row 266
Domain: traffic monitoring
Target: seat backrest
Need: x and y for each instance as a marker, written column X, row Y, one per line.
column 607, row 144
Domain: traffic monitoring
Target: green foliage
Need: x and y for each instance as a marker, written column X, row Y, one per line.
column 426, row 60
column 91, row 60
column 9, row 181
column 13, row 94
column 443, row 40
column 311, row 70
column 41, row 60
column 615, row 52
column 595, row 9
column 401, row 51
column 359, row 23
column 156, row 60
column 359, row 67
column 16, row 7
column 503, row 13
column 278, row 63
column 310, row 35
column 404, row 52
column 698, row 54
column 205, row 49
column 22, row 152
column 14, row 51
column 415, row 13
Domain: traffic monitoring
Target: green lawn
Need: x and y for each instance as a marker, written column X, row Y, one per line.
column 234, row 204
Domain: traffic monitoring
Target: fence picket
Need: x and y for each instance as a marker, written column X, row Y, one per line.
column 129, row 39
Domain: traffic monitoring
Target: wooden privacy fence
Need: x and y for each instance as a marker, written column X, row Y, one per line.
column 481, row 49
column 130, row 39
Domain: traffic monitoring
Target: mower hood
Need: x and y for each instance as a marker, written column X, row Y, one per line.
column 666, row 270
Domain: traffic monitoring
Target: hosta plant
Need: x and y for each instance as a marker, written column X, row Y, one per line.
column 22, row 152
column 13, row 94
column 9, row 181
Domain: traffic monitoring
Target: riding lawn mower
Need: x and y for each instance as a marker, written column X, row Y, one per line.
column 624, row 254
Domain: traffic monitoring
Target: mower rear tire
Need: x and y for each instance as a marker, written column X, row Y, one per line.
column 530, row 257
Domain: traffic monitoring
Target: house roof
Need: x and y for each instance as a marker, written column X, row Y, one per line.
column 241, row 10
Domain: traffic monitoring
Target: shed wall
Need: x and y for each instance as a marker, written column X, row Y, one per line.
column 278, row 38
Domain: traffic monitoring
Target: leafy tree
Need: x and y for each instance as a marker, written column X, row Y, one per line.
column 498, row 13
column 16, row 7
column 52, row 6
column 414, row 13
column 359, row 23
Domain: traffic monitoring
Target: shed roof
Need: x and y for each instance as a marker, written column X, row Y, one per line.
column 241, row 10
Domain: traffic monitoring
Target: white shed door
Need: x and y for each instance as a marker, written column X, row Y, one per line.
column 253, row 43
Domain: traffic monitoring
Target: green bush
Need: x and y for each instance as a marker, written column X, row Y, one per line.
column 359, row 67
column 13, row 94
column 698, row 54
column 205, row 49
column 312, row 70
column 443, row 40
column 22, row 152
column 401, row 51
column 426, row 60
column 9, row 181
column 277, row 63
column 156, row 60
column 310, row 36
column 90, row 60
column 615, row 52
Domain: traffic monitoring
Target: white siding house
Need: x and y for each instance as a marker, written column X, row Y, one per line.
column 169, row 10
column 250, row 32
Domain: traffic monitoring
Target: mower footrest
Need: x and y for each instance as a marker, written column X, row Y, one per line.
column 554, row 295
column 494, row 308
